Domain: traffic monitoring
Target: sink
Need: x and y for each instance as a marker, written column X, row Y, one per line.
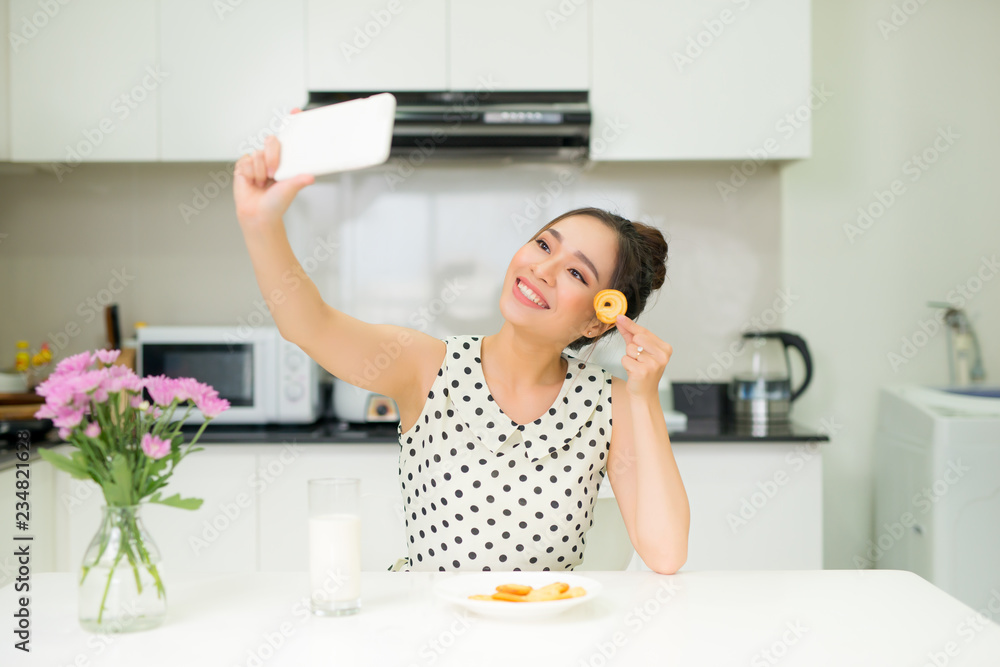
column 981, row 392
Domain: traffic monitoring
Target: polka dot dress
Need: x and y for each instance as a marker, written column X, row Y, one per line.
column 481, row 492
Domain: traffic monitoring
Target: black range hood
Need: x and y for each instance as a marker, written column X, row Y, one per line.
column 522, row 125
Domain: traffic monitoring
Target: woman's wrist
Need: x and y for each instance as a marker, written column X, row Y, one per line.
column 262, row 227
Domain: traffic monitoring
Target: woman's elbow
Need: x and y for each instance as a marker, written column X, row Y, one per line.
column 666, row 563
column 668, row 567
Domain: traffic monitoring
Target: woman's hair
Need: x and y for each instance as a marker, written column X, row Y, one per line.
column 641, row 265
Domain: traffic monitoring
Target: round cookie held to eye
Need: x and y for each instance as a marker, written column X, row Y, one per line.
column 609, row 304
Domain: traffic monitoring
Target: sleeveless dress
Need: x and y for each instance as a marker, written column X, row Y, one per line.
column 481, row 492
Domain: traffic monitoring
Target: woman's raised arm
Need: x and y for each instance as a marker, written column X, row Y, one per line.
column 379, row 357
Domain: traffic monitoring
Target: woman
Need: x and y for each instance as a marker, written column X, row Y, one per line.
column 504, row 439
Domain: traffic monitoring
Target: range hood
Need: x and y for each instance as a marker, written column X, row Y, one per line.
column 529, row 126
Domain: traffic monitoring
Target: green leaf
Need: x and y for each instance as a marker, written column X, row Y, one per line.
column 84, row 462
column 176, row 501
column 119, row 490
column 63, row 463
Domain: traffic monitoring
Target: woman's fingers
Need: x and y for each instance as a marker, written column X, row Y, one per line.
column 272, row 152
column 242, row 165
column 259, row 169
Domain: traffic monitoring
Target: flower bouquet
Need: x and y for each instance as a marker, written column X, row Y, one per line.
column 130, row 448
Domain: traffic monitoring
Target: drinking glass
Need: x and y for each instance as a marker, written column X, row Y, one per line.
column 334, row 546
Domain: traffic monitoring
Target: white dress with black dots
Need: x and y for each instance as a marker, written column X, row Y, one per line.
column 481, row 492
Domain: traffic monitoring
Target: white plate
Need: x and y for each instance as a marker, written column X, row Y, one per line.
column 458, row 588
column 338, row 137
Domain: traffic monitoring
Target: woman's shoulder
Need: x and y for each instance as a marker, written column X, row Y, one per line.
column 593, row 367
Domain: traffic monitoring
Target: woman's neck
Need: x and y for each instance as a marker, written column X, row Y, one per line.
column 516, row 363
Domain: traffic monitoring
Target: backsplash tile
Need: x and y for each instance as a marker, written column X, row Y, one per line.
column 428, row 251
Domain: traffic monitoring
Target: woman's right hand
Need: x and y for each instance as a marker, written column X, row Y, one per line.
column 260, row 199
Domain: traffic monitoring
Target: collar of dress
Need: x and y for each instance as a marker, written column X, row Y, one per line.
column 552, row 434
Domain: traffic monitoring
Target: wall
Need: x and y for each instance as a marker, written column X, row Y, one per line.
column 397, row 246
column 4, row 84
column 864, row 286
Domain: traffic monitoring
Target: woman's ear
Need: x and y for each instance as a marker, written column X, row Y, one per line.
column 597, row 328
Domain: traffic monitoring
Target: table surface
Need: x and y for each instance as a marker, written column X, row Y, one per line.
column 799, row 617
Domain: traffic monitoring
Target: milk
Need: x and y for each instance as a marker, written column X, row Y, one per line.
column 335, row 557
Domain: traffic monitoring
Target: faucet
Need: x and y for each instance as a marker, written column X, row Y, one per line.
column 965, row 361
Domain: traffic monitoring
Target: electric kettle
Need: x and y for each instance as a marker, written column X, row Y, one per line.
column 760, row 393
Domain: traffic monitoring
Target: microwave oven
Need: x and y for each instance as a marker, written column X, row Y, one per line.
column 265, row 378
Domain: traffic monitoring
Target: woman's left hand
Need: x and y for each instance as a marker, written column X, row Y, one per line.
column 645, row 372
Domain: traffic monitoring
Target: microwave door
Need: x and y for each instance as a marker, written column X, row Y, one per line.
column 234, row 370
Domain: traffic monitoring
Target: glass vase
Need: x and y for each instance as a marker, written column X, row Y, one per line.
column 120, row 586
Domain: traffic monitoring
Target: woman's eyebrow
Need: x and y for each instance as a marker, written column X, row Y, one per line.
column 578, row 253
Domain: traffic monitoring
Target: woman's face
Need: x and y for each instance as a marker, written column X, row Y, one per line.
column 566, row 266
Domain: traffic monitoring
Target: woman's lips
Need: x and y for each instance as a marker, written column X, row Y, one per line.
column 522, row 298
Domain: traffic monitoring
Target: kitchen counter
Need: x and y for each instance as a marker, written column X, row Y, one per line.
column 795, row 617
column 331, row 431
column 706, row 405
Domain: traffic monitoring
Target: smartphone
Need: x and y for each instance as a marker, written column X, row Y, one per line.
column 338, row 137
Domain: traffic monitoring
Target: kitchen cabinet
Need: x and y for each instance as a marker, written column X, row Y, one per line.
column 41, row 519
column 697, row 80
column 235, row 72
column 220, row 536
column 376, row 45
column 4, row 83
column 518, row 45
column 470, row 45
column 84, row 82
column 284, row 507
column 754, row 506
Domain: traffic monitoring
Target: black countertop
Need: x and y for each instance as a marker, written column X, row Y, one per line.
column 706, row 405
column 699, row 429
column 333, row 432
column 708, row 421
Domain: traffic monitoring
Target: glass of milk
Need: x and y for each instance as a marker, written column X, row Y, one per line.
column 334, row 546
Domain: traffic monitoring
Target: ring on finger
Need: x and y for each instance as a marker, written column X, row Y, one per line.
column 638, row 352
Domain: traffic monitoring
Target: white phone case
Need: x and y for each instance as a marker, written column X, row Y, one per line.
column 338, row 137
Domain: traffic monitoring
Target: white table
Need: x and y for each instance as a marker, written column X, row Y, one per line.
column 803, row 617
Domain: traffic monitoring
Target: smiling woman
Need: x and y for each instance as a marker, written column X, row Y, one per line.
column 503, row 450
column 506, row 438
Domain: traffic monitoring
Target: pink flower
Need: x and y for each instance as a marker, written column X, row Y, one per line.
column 106, row 356
column 137, row 401
column 190, row 389
column 68, row 416
column 155, row 448
column 161, row 388
column 45, row 412
column 121, row 378
column 74, row 364
column 213, row 406
column 100, row 394
column 57, row 389
column 93, row 430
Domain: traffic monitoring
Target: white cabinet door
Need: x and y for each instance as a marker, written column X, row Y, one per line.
column 284, row 501
column 519, row 45
column 697, row 79
column 220, row 536
column 754, row 506
column 235, row 71
column 376, row 45
column 84, row 81
column 39, row 477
